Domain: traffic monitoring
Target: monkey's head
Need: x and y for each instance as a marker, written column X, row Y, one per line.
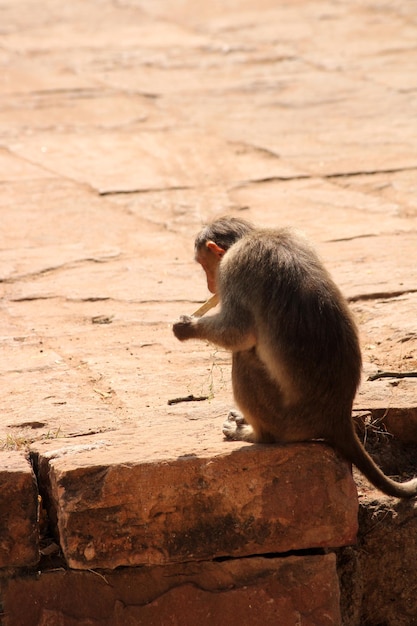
column 212, row 243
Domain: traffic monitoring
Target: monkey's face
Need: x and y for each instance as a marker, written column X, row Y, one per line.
column 209, row 258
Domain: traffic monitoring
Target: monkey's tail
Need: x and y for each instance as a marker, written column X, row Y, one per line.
column 351, row 448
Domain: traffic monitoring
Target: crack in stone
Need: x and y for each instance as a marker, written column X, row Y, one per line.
column 31, row 298
column 378, row 295
column 389, row 170
column 353, row 238
column 121, row 192
column 267, row 179
column 55, row 268
column 17, row 100
column 271, row 179
column 57, row 296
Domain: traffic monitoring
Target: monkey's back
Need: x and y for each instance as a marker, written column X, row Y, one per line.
column 301, row 320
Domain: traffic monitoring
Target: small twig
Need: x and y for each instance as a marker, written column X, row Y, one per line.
column 190, row 398
column 102, row 319
column 393, row 375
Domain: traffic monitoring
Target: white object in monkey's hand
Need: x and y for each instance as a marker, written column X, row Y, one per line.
column 209, row 304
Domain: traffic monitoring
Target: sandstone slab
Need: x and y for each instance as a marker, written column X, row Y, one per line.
column 95, row 222
column 144, row 498
column 345, row 214
column 74, row 109
column 13, row 168
column 397, row 187
column 42, row 396
column 24, row 76
column 373, row 267
column 19, row 538
column 295, row 591
column 168, row 158
column 86, row 27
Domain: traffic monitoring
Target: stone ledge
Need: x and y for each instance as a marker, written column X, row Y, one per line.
column 260, row 591
column 117, row 503
column 19, row 536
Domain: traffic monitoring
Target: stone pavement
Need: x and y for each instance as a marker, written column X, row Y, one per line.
column 124, row 125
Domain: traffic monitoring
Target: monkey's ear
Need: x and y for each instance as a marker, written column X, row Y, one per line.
column 215, row 249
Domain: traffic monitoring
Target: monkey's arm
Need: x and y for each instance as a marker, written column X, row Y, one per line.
column 219, row 329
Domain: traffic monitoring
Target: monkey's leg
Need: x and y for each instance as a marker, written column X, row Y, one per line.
column 258, row 397
column 235, row 428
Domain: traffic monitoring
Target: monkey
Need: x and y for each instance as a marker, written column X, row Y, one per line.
column 296, row 358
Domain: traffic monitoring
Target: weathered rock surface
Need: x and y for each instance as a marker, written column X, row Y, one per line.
column 295, row 591
column 379, row 584
column 119, row 501
column 19, row 533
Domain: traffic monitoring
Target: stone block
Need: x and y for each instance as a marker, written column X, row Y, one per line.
column 378, row 576
column 121, row 502
column 19, row 537
column 291, row 591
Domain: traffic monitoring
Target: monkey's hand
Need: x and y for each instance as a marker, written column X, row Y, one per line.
column 184, row 329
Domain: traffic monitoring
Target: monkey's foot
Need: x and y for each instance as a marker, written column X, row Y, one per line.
column 235, row 428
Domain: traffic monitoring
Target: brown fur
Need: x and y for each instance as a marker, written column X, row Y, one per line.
column 296, row 355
